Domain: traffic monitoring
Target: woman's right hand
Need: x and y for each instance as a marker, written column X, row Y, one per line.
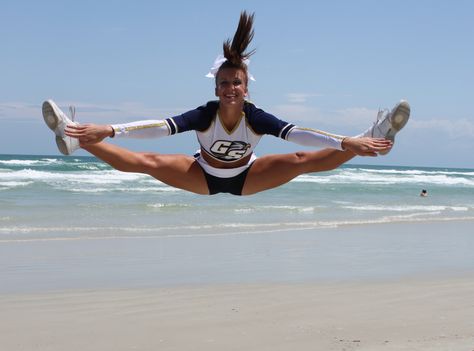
column 89, row 133
column 366, row 146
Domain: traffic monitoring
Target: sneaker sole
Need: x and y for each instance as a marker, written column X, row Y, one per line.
column 50, row 116
column 399, row 119
column 62, row 145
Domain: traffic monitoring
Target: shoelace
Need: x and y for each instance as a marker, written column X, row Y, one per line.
column 72, row 112
column 380, row 115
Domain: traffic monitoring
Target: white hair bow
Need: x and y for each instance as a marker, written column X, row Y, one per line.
column 220, row 59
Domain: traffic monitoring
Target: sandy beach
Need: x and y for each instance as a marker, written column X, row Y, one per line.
column 403, row 315
column 405, row 286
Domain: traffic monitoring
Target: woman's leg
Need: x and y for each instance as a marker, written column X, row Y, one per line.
column 274, row 170
column 179, row 171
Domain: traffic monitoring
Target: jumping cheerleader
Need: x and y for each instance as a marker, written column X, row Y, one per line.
column 228, row 131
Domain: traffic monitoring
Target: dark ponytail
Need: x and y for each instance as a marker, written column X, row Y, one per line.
column 235, row 51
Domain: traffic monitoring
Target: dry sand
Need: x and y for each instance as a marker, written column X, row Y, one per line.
column 404, row 315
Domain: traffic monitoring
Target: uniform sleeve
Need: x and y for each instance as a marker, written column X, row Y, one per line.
column 262, row 122
column 142, row 129
column 315, row 138
column 197, row 119
column 266, row 123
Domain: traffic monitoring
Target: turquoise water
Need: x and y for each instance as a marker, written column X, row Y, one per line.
column 51, row 197
column 75, row 223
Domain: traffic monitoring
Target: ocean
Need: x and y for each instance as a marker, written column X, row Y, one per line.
column 55, row 197
column 75, row 223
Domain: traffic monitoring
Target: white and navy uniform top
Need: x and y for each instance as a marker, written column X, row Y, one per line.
column 223, row 144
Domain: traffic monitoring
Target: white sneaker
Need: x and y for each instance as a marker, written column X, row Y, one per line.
column 57, row 121
column 389, row 123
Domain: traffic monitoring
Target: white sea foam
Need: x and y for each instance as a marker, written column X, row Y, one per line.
column 168, row 206
column 282, row 208
column 418, row 172
column 405, row 208
column 391, row 171
column 14, row 184
column 296, row 209
column 131, row 189
column 388, row 178
column 312, row 179
column 459, row 208
column 244, row 210
column 89, row 167
column 98, row 233
column 26, row 163
column 19, row 162
column 290, row 208
column 96, row 177
column 98, row 173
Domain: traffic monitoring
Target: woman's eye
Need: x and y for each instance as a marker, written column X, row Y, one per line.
column 226, row 83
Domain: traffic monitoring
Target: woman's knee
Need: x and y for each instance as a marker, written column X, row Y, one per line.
column 138, row 162
column 149, row 162
column 301, row 160
column 308, row 162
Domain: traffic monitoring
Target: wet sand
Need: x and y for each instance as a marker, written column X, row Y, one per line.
column 406, row 286
column 402, row 315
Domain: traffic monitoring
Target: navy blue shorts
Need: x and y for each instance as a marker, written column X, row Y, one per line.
column 232, row 185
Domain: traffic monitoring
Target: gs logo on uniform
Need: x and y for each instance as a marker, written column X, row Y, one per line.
column 226, row 150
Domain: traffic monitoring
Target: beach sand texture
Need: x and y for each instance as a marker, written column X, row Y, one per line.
column 402, row 315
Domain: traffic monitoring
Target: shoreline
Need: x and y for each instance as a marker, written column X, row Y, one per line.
column 378, row 287
column 20, row 234
column 426, row 314
column 349, row 254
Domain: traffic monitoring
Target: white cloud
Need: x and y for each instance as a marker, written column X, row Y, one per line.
column 458, row 128
column 293, row 112
column 348, row 117
column 299, row 98
column 17, row 111
column 356, row 118
column 94, row 113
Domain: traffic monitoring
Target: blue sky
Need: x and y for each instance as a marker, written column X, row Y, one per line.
column 322, row 64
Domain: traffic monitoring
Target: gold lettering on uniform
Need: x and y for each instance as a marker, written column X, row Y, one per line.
column 335, row 136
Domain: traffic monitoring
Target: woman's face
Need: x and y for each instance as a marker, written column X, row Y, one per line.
column 231, row 86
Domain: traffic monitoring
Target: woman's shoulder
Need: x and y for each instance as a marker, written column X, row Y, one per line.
column 251, row 110
column 210, row 107
column 197, row 119
column 263, row 122
column 249, row 105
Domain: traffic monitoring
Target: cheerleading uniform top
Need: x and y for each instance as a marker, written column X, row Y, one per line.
column 228, row 145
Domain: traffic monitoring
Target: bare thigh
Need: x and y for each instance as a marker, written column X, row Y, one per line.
column 179, row 171
column 274, row 170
